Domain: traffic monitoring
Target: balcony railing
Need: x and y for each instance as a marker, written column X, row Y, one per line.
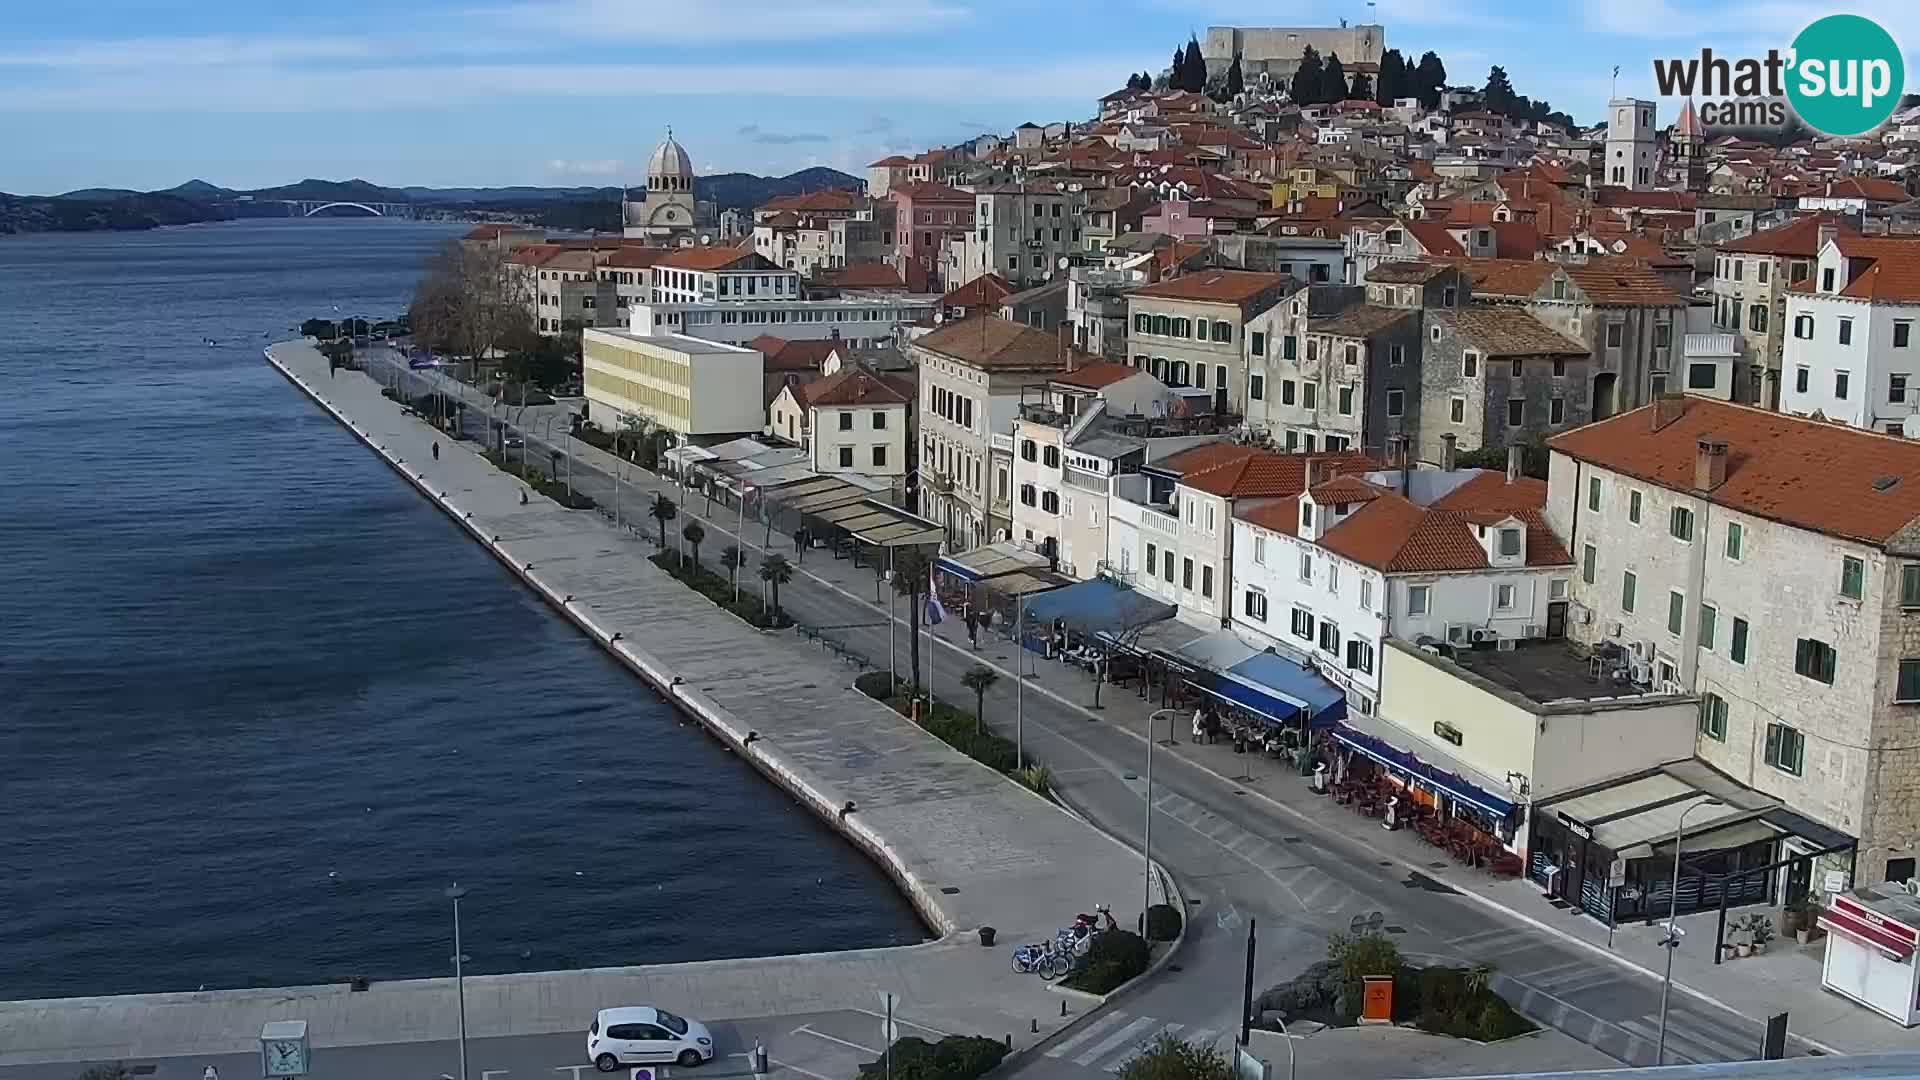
column 1084, row 481
column 1721, row 344
column 1038, row 413
column 1160, row 519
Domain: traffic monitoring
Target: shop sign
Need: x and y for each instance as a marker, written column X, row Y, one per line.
column 1617, row 873
column 1448, row 733
column 1878, row 921
column 1574, row 826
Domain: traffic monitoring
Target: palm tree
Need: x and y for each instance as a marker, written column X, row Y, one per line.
column 694, row 532
column 910, row 569
column 732, row 558
column 776, row 571
column 663, row 510
column 979, row 679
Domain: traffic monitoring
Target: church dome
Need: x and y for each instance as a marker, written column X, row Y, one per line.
column 669, row 169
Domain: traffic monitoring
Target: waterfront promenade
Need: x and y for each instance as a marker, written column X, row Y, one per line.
column 970, row 847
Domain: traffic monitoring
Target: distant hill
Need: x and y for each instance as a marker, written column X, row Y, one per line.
column 199, row 189
column 333, row 190
column 745, row 189
column 97, row 194
column 516, row 194
column 74, row 213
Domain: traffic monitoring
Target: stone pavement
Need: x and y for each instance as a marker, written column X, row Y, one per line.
column 970, row 847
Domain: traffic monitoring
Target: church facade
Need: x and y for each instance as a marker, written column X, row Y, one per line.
column 664, row 214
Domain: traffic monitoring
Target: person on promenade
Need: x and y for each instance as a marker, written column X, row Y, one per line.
column 1199, row 725
column 523, row 496
column 800, row 544
column 436, row 451
column 211, row 1074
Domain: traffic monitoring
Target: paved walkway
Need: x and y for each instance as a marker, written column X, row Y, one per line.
column 970, row 847
column 1788, row 977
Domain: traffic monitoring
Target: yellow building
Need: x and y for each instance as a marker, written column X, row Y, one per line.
column 1303, row 183
column 686, row 385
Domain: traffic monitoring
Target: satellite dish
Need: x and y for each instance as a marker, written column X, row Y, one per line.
column 1063, row 262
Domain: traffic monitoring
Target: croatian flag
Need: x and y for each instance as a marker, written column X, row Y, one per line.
column 935, row 613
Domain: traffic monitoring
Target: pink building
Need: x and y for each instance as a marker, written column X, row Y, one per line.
column 1175, row 218
column 927, row 215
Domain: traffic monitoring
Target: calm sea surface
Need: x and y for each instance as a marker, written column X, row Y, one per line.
column 260, row 704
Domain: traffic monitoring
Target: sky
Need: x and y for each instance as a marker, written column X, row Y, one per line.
column 150, row 93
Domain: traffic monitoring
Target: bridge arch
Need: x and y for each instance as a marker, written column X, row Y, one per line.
column 374, row 210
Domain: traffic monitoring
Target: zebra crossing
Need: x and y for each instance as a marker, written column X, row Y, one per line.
column 1316, row 891
column 1114, row 1038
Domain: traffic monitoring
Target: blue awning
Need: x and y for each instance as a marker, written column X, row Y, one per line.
column 1279, row 719
column 1092, row 606
column 1272, row 683
column 1440, row 777
column 964, row 573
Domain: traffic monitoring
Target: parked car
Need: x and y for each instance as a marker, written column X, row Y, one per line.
column 514, row 442
column 642, row 1034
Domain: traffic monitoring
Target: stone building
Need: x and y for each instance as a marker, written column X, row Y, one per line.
column 1188, row 331
column 1493, row 377
column 1277, row 50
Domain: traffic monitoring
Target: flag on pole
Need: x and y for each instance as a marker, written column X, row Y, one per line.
column 936, row 614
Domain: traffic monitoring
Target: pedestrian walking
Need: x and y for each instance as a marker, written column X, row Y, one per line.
column 973, row 629
column 211, row 1074
column 801, row 537
column 436, row 451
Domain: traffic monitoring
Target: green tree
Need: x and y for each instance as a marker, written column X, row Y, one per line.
column 1429, row 78
column 1307, row 79
column 1236, row 80
column 1360, row 88
column 979, row 679
column 694, row 532
column 776, row 571
column 1177, row 74
column 1170, row 1059
column 1195, row 66
column 1499, row 92
column 1360, row 955
column 733, row 559
column 1333, row 80
column 910, row 569
column 663, row 510
column 1392, row 83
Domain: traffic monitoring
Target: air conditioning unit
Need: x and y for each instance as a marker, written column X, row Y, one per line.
column 1583, row 614
column 1913, row 886
column 1642, row 651
column 1669, row 686
column 1485, row 633
column 1639, row 672
column 1506, row 644
column 1459, row 633
column 1534, row 630
column 1613, row 629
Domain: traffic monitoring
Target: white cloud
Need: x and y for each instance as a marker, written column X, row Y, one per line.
column 258, row 89
column 605, row 167
column 150, row 52
column 737, row 20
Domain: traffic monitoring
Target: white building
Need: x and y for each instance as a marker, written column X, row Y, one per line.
column 693, row 388
column 1463, row 557
column 701, row 275
column 1631, row 159
column 1849, row 353
column 1768, row 564
column 852, row 422
column 864, row 322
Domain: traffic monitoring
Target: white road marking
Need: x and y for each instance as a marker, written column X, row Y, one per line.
column 798, row 1069
column 1060, row 1048
column 803, row 1029
column 904, row 1023
column 1141, row 1047
column 1112, row 1042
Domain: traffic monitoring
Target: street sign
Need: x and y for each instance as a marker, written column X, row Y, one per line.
column 1617, row 873
column 1248, row 1066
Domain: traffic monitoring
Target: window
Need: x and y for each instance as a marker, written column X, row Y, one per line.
column 1557, row 411
column 1803, row 327
column 1257, row 388
column 1153, row 559
column 1306, row 566
column 1559, row 368
column 1676, row 612
column 1333, row 576
column 1853, row 574
column 1309, row 395
column 1910, row 585
column 1516, row 411
column 1258, row 344
column 1559, row 288
column 1050, row 457
column 1737, row 641
column 1418, row 597
column 1680, row 524
column 1457, row 410
column 1206, row 581
column 1029, row 495
column 1345, row 400
column 1256, row 606
column 846, row 457
column 1739, row 267
column 1143, row 323
column 1902, row 331
column 1593, row 493
column 1589, row 557
column 1801, row 375
column 1222, row 330
column 880, row 457
column 1633, row 507
column 1764, row 266
column 1286, row 391
column 1259, row 550
column 1846, row 331
column 1366, row 594
column 1509, row 543
column 1329, row 637
column 1289, row 347
column 1360, row 656
column 1713, row 717
column 1840, row 379
column 1815, row 659
column 1826, row 280
column 1503, row 597
column 1628, row 584
column 1616, row 333
column 1786, row 747
column 879, row 421
column 1907, row 689
column 1517, row 369
column 1757, row 318
column 846, row 421
column 1302, row 624
column 1702, row 376
column 1397, row 355
column 1396, row 402
column 1469, row 365
column 1169, row 567
column 1896, row 388
column 1709, row 625
column 1186, row 573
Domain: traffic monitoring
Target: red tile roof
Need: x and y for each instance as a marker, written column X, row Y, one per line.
column 713, row 258
column 1892, row 273
column 1798, row 238
column 1346, row 489
column 784, row 355
column 1820, row 476
column 855, row 385
column 826, row 199
column 1435, row 238
column 990, row 342
column 984, row 291
column 1204, row 456
column 1097, row 375
column 864, row 275
column 1264, row 474
column 635, row 258
column 1394, row 535
column 1215, row 286
column 1621, row 283
column 1280, row 515
column 1491, row 491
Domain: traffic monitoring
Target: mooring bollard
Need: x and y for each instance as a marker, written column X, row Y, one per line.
column 1063, row 1007
column 1033, row 1026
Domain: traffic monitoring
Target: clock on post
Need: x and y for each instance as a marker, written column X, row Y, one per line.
column 283, row 1048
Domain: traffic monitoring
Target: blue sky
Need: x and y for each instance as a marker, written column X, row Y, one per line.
column 149, row 93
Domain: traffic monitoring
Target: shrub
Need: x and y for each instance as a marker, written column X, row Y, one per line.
column 718, row 589
column 1360, row 955
column 1038, row 778
column 875, row 684
column 956, row 1057
column 1170, row 1059
column 1115, row 957
column 1163, row 922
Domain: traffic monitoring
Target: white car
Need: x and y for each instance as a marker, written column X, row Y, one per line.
column 644, row 1034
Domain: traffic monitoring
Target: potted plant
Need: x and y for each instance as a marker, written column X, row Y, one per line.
column 1810, row 908
column 1742, row 938
column 1761, row 928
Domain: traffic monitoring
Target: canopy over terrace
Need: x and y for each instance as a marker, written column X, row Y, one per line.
column 1095, row 606
column 834, row 504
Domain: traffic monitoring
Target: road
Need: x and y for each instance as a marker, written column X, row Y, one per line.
column 1239, row 857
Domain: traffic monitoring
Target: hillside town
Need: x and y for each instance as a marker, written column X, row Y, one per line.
column 1559, row 477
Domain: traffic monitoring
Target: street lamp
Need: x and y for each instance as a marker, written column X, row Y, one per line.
column 1146, row 840
column 454, row 893
column 1672, row 941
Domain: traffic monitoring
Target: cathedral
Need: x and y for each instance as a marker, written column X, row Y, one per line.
column 664, row 214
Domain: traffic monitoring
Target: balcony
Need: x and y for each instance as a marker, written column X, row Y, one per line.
column 1084, row 481
column 1724, row 344
column 1160, row 518
column 1040, row 413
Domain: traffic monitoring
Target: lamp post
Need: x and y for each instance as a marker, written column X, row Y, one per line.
column 1146, row 840
column 1672, row 941
column 454, row 893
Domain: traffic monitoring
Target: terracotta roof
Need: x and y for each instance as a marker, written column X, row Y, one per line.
column 1346, row 489
column 636, row 258
column 1892, row 273
column 1869, row 188
column 1265, row 474
column 988, row 341
column 1619, row 282
column 1280, row 515
column 490, row 231
column 1511, row 278
column 816, row 201
column 855, row 385
column 930, row 191
column 1215, row 286
column 864, row 275
column 1204, row 456
column 534, row 254
column 1491, row 491
column 1359, row 320
column 784, row 355
column 1815, row 475
column 785, row 219
column 1799, row 238
column 893, row 162
column 1406, row 273
column 985, row 290
column 1434, row 237
column 1097, row 375
column 1507, row 331
column 1396, row 536
column 712, row 258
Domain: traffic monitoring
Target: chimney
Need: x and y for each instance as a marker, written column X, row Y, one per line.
column 1709, row 465
column 1829, row 232
column 1667, row 408
column 1447, row 443
column 1513, row 463
column 1067, row 351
